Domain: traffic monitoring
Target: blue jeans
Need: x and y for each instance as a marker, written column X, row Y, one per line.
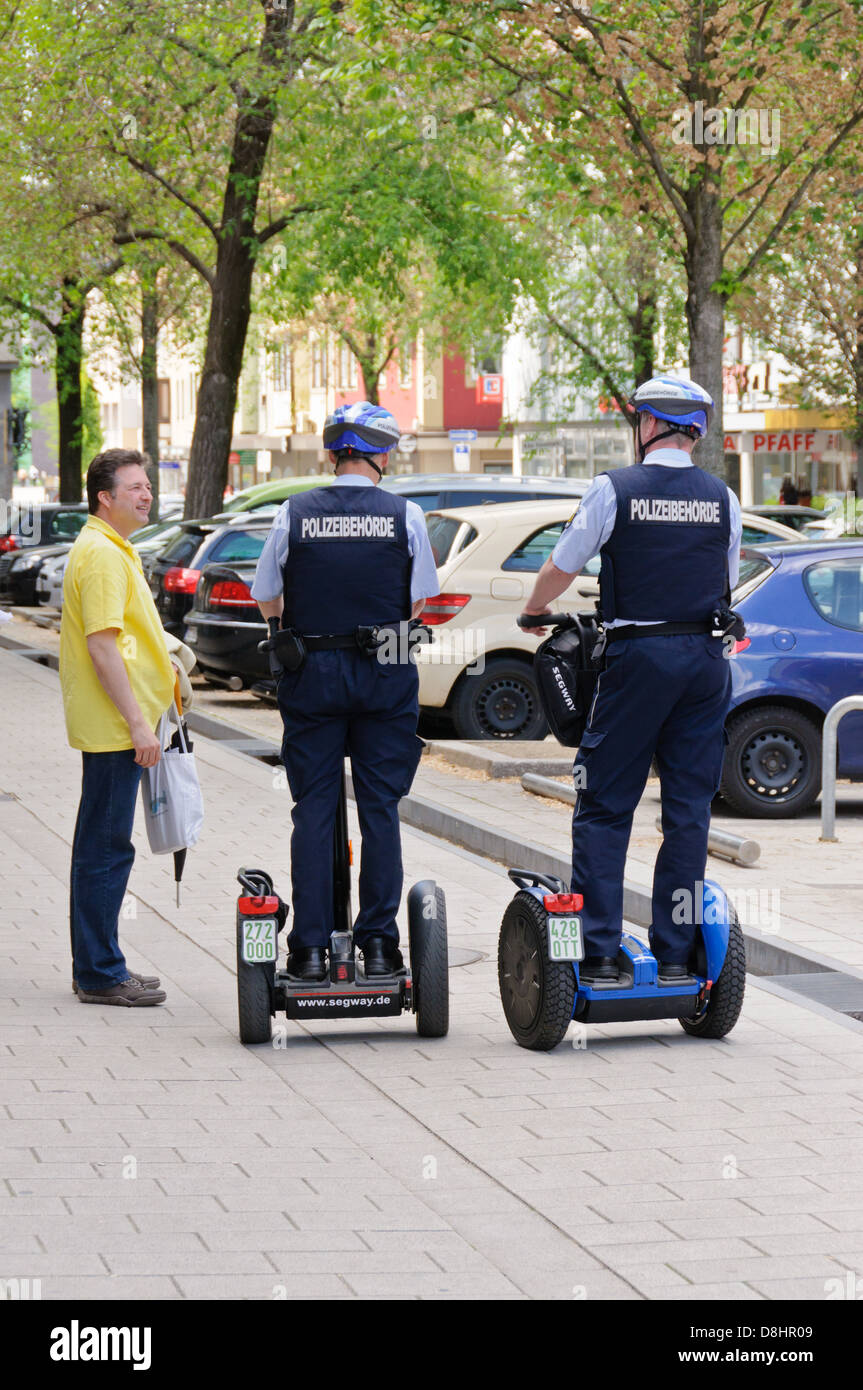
column 102, row 858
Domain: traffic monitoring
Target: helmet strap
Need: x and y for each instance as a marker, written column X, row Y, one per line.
column 641, row 450
column 350, row 455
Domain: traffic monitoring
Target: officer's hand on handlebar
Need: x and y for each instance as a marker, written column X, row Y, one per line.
column 528, row 621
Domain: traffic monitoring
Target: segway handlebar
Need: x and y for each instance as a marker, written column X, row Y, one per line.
column 561, row 621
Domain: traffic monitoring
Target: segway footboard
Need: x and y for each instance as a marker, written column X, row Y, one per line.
column 330, row 999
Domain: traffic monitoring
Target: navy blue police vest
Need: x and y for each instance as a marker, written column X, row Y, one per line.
column 348, row 562
column 667, row 558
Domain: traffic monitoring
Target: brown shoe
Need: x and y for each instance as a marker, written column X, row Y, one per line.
column 149, row 981
column 131, row 994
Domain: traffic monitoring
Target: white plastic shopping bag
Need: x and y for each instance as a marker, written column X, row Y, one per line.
column 171, row 792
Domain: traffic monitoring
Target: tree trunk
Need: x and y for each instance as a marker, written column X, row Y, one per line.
column 705, row 312
column 217, row 393
column 150, row 382
column 642, row 330
column 68, row 359
column 232, row 282
column 371, row 377
column 857, row 480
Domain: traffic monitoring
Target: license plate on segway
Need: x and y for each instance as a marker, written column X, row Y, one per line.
column 565, row 939
column 259, row 943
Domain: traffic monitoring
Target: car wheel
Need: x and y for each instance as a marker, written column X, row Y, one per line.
column 501, row 702
column 772, row 763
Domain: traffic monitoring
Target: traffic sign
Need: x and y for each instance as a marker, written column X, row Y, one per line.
column 408, row 444
column 463, row 434
column 461, row 456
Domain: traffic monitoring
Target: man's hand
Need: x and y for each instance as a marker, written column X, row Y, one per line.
column 534, row 612
column 148, row 749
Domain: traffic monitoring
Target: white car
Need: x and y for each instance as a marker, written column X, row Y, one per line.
column 49, row 581
column 478, row 668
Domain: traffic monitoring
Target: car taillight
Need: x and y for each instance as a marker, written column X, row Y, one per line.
column 8, row 543
column 740, row 646
column 442, row 608
column 230, row 593
column 563, row 902
column 180, row 581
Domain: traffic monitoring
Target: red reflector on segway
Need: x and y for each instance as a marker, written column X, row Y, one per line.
column 563, row 902
column 259, row 907
column 341, row 972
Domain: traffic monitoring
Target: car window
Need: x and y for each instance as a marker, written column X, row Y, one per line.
column 835, row 588
column 427, row 501
column 237, row 545
column 755, row 535
column 442, row 531
column 181, row 549
column 477, row 497
column 66, row 525
column 754, row 568
column 532, row 554
column 467, row 539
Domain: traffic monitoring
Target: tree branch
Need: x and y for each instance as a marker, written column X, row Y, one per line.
column 602, row 370
column 797, row 198
column 144, row 167
column 141, row 234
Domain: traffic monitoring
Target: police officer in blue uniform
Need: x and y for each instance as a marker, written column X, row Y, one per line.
column 668, row 534
column 340, row 562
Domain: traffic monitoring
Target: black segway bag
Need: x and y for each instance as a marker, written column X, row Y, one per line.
column 566, row 675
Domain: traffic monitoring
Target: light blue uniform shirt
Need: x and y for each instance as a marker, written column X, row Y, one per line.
column 594, row 521
column 269, row 582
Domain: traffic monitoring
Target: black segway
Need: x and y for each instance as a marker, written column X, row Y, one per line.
column 263, row 989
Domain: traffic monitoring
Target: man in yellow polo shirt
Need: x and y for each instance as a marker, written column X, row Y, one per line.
column 117, row 680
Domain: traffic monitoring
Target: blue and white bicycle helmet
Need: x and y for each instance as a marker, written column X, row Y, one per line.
column 684, row 404
column 361, row 429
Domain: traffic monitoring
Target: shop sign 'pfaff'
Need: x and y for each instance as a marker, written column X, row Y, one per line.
column 785, row 442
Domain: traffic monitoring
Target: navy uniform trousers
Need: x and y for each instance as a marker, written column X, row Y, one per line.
column 340, row 704
column 665, row 697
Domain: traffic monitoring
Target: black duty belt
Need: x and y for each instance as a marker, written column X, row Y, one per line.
column 332, row 641
column 614, row 634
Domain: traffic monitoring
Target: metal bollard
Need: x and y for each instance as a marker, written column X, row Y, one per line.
column 829, row 739
column 728, row 845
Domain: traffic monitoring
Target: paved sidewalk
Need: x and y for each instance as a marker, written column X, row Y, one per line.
column 146, row 1154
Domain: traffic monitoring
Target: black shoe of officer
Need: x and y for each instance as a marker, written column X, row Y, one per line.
column 672, row 972
column 308, row 963
column 600, row 970
column 381, row 956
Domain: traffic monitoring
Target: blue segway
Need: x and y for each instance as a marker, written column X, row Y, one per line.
column 541, row 945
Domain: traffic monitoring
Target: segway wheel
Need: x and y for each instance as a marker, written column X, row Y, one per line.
column 429, row 958
column 254, row 998
column 538, row 995
column 726, row 996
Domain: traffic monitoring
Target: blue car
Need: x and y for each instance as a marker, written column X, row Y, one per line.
column 803, row 651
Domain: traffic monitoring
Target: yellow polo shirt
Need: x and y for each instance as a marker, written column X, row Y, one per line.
column 104, row 587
